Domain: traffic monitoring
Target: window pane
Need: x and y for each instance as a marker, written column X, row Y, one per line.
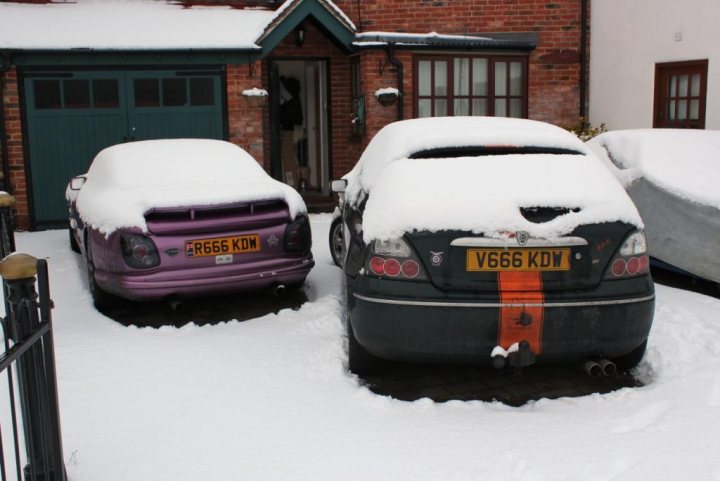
column 174, row 92
column 425, row 108
column 500, row 78
column 77, row 94
column 673, row 84
column 683, row 86
column 479, row 107
column 47, row 94
column 424, row 77
column 105, row 94
column 682, row 110
column 480, row 76
column 462, row 107
column 515, row 78
column 516, row 108
column 500, row 108
column 441, row 107
column 147, row 92
column 671, row 112
column 695, row 85
column 462, row 76
column 441, row 84
column 202, row 91
column 694, row 109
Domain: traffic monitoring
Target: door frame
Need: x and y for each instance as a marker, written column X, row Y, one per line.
column 274, row 112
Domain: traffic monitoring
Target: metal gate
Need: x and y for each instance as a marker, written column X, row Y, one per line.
column 28, row 361
column 71, row 116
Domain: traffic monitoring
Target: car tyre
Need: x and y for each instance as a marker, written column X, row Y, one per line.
column 336, row 241
column 360, row 361
column 631, row 359
column 74, row 246
column 101, row 298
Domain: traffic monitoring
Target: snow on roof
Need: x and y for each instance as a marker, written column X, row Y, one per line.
column 129, row 24
column 289, row 5
column 127, row 180
column 416, row 36
column 683, row 162
column 484, row 193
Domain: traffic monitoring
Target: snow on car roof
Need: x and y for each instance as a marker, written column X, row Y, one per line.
column 405, row 138
column 483, row 193
column 684, row 162
column 127, row 180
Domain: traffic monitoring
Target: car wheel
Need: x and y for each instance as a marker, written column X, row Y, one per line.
column 101, row 299
column 631, row 359
column 360, row 361
column 73, row 242
column 336, row 241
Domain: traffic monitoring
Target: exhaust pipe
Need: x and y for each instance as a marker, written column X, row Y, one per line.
column 609, row 368
column 278, row 290
column 592, row 368
column 174, row 302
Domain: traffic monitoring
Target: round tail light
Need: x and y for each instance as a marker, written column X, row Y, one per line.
column 377, row 265
column 410, row 269
column 618, row 267
column 643, row 264
column 392, row 267
column 633, row 265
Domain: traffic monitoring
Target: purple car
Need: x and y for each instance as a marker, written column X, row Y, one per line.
column 185, row 218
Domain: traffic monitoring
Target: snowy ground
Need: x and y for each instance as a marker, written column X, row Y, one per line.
column 270, row 399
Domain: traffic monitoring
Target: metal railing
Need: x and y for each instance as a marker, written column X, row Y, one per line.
column 29, row 363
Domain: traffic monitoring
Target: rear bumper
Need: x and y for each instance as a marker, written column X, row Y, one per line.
column 161, row 283
column 467, row 330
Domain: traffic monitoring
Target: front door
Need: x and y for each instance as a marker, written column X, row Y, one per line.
column 299, row 124
column 71, row 116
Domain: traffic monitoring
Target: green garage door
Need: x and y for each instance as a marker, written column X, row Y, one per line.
column 71, row 116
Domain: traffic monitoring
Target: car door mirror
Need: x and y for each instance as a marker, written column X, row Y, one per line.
column 76, row 183
column 338, row 186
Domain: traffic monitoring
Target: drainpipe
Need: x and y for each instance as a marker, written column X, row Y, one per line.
column 399, row 66
column 4, row 67
column 583, row 57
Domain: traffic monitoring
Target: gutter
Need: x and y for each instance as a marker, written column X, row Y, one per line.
column 583, row 58
column 4, row 67
column 401, row 77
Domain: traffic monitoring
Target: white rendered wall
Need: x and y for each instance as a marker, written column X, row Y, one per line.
column 628, row 37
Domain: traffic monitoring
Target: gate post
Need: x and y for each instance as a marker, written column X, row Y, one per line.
column 36, row 369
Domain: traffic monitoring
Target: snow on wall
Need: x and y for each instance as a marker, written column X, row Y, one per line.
column 630, row 37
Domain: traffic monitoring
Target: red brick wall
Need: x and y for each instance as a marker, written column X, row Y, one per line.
column 553, row 85
column 15, row 161
column 245, row 121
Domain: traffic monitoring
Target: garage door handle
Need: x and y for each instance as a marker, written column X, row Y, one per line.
column 128, row 138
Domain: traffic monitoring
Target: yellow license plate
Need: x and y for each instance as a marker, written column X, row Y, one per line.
column 545, row 259
column 222, row 245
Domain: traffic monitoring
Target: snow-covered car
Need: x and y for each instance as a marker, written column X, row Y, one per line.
column 672, row 175
column 491, row 240
column 184, row 218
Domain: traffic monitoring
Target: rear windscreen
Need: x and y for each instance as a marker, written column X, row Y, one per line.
column 450, row 152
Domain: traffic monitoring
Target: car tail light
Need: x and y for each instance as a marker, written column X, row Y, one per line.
column 139, row 251
column 631, row 259
column 394, row 259
column 297, row 235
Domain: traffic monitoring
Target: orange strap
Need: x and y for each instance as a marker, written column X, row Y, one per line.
column 522, row 323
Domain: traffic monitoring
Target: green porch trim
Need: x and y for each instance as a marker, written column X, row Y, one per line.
column 114, row 59
column 339, row 31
